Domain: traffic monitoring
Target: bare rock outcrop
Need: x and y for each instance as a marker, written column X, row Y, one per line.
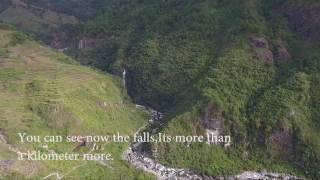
column 212, row 118
column 281, row 52
column 87, row 43
column 3, row 138
column 60, row 40
column 269, row 52
column 262, row 52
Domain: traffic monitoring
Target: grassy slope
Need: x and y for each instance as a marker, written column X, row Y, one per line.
column 43, row 92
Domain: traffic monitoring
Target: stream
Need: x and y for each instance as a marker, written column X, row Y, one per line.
column 141, row 159
column 138, row 157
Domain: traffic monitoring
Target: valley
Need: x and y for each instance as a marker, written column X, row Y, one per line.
column 236, row 82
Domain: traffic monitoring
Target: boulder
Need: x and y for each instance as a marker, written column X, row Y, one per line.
column 259, row 42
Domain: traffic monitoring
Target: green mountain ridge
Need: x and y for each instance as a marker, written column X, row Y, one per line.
column 249, row 66
column 244, row 68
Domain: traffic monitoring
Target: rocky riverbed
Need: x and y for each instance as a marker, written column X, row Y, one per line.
column 137, row 157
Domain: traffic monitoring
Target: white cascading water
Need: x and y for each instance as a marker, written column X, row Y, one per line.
column 124, row 78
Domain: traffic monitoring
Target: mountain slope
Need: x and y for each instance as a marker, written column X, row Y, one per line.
column 245, row 68
column 251, row 67
column 82, row 9
column 43, row 92
column 39, row 21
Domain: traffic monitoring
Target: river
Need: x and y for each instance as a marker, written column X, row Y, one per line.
column 141, row 159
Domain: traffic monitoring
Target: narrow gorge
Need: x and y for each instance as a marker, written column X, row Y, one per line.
column 140, row 157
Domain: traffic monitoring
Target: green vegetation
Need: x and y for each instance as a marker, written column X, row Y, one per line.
column 252, row 65
column 43, row 93
column 83, row 9
column 17, row 38
column 255, row 62
column 36, row 21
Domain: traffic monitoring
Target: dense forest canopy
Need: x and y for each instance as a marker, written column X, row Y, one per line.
column 253, row 64
column 250, row 66
column 83, row 9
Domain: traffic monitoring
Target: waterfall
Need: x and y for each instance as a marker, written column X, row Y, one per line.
column 124, row 78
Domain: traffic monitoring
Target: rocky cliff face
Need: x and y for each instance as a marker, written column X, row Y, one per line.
column 270, row 53
column 262, row 50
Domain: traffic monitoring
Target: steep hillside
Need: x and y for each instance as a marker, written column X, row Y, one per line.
column 245, row 68
column 43, row 92
column 39, row 21
column 82, row 9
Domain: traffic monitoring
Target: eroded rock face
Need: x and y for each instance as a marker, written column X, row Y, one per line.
column 87, row 43
column 60, row 40
column 269, row 53
column 281, row 52
column 259, row 42
column 265, row 55
column 212, row 119
column 260, row 46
